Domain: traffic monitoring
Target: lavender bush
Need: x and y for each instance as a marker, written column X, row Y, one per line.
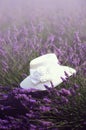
column 63, row 107
column 52, row 109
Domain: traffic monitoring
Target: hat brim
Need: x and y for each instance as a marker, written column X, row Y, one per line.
column 57, row 78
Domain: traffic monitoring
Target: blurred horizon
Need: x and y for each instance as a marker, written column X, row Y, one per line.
column 16, row 11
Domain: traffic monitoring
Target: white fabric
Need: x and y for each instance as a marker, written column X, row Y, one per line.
column 44, row 69
column 42, row 74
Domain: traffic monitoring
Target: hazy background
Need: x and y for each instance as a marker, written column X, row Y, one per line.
column 19, row 11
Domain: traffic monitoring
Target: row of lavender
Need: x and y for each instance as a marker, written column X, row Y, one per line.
column 19, row 45
column 21, row 109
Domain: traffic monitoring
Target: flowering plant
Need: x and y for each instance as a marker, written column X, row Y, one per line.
column 63, row 107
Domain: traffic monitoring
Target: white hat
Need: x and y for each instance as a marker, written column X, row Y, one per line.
column 44, row 70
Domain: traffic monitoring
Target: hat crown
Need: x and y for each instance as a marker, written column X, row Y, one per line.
column 44, row 60
column 42, row 68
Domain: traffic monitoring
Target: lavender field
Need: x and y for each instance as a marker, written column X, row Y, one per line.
column 29, row 29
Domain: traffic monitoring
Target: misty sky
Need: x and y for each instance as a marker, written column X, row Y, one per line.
column 12, row 5
column 17, row 9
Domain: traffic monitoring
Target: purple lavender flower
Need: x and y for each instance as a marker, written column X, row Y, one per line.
column 32, row 100
column 66, row 74
column 47, row 100
column 73, row 92
column 76, row 86
column 64, row 79
column 32, row 127
column 64, row 99
column 64, row 91
column 44, row 108
column 46, row 123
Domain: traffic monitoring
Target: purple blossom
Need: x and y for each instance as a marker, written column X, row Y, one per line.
column 45, row 108
column 64, row 99
column 32, row 127
column 32, row 100
column 76, row 86
column 46, row 123
column 63, row 79
column 73, row 92
column 65, row 92
column 66, row 74
column 47, row 100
